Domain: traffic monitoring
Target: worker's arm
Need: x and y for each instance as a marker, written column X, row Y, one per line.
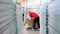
column 32, row 18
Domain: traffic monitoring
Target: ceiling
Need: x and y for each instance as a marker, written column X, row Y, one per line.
column 32, row 4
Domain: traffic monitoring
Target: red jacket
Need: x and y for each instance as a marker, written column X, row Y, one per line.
column 33, row 15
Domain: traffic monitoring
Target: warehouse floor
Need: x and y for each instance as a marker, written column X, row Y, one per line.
column 30, row 31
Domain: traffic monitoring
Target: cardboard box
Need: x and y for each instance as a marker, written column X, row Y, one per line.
column 29, row 22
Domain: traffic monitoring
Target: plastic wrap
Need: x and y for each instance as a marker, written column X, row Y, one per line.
column 54, row 17
column 7, row 17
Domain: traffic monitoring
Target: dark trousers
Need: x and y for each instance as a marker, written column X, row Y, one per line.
column 36, row 21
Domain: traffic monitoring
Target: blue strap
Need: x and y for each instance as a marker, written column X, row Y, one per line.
column 47, row 20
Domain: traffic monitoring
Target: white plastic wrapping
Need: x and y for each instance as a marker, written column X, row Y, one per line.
column 19, row 19
column 43, row 8
column 7, row 17
column 43, row 19
column 54, row 17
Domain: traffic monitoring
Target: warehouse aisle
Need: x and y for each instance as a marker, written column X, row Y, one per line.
column 31, row 32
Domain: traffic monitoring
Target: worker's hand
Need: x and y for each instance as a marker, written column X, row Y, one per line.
column 32, row 18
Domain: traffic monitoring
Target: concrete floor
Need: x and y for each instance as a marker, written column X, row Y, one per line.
column 31, row 32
